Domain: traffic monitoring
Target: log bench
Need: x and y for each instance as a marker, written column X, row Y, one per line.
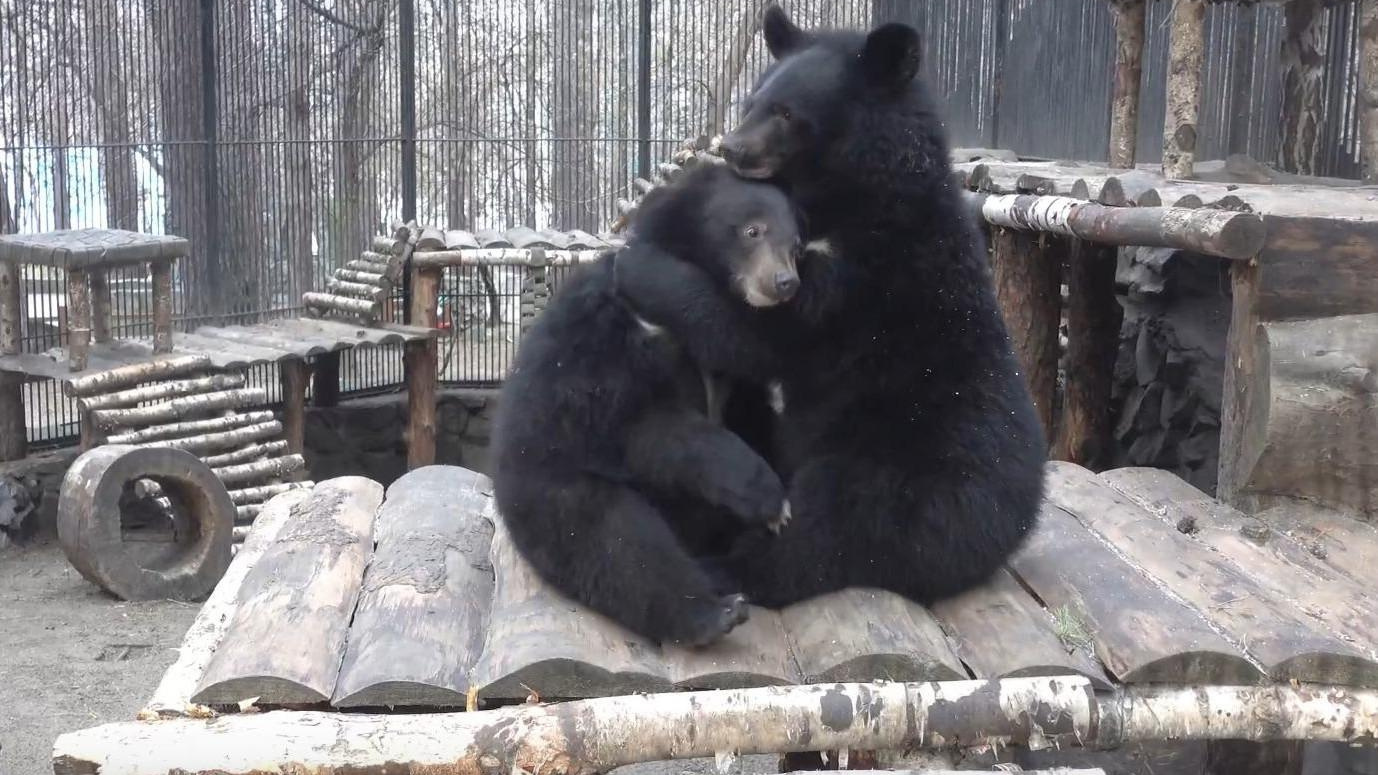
column 1115, row 623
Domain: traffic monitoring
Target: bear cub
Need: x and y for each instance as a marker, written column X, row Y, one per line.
column 611, row 476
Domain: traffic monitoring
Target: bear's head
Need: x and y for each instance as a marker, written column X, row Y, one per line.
column 745, row 235
column 826, row 89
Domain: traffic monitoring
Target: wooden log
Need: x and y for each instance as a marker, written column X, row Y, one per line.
column 1367, row 94
column 92, row 536
column 538, row 642
column 161, row 274
column 999, row 631
column 265, row 493
column 1130, row 16
column 201, row 443
column 1028, row 278
column 1302, row 60
column 421, row 363
column 100, row 305
column 240, row 532
column 1309, row 434
column 1141, row 634
column 295, row 380
column 176, row 388
column 178, row 408
column 331, row 303
column 864, row 632
column 1292, row 565
column 246, row 514
column 599, row 735
column 246, row 454
column 134, row 374
column 1211, row 232
column 362, row 278
column 367, row 292
column 507, row 257
column 1186, row 51
column 78, row 319
column 384, row 245
column 756, row 653
column 1093, row 330
column 421, row 618
column 1288, row 646
column 325, row 380
column 273, row 468
column 368, row 265
column 1244, row 396
column 13, row 431
column 304, row 586
column 172, row 698
column 431, row 238
column 425, row 295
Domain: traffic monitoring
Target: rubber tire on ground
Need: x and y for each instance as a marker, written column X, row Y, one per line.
column 88, row 523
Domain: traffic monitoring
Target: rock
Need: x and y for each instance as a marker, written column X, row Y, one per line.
column 1175, row 369
column 1148, row 360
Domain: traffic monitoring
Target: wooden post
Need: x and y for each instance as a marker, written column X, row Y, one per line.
column 13, row 430
column 1241, row 438
column 535, row 289
column 1124, row 100
column 1028, row 281
column 425, row 295
column 1303, row 86
column 421, row 363
column 1185, row 53
column 161, row 272
column 1093, row 333
column 79, row 315
column 100, row 305
column 294, row 379
column 1368, row 89
column 326, row 380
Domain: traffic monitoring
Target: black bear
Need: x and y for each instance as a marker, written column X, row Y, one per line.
column 909, row 442
column 608, row 473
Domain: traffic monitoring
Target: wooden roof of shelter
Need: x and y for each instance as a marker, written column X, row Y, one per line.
column 230, row 347
column 83, row 248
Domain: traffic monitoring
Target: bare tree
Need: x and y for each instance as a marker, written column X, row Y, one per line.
column 575, row 107
column 299, row 182
column 106, row 55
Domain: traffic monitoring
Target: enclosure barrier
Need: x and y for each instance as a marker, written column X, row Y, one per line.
column 598, row 735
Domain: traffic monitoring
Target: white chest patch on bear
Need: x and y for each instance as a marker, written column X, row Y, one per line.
column 820, row 247
column 650, row 328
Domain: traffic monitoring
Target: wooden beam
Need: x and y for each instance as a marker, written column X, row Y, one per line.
column 1186, row 50
column 425, row 294
column 1124, row 100
column 1093, row 333
column 133, row 374
column 100, row 305
column 13, row 431
column 1211, row 232
column 294, row 379
column 79, row 319
column 161, row 273
column 599, row 735
column 421, row 363
column 1242, row 414
column 1368, row 89
column 1028, row 279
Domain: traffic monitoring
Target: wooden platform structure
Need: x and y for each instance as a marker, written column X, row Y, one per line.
column 413, row 599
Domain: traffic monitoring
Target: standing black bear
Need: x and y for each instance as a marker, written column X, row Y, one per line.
column 608, row 474
column 913, row 455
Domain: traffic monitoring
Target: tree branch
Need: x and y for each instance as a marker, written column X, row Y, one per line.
column 331, row 16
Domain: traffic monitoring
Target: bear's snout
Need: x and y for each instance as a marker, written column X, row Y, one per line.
column 786, row 284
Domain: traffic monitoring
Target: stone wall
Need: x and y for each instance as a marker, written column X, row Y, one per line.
column 363, row 437
column 28, row 495
column 1170, row 372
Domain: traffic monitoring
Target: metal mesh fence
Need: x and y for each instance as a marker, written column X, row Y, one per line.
column 279, row 135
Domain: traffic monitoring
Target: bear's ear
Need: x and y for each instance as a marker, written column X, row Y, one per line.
column 892, row 55
column 782, row 37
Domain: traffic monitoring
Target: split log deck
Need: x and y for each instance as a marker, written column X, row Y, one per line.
column 347, row 597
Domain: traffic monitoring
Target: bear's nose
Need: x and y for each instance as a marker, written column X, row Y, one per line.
column 786, row 283
column 730, row 148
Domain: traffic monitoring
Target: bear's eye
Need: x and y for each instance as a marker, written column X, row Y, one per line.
column 753, row 231
column 782, row 112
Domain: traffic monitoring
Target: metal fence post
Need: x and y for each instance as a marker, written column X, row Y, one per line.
column 643, row 92
column 210, row 120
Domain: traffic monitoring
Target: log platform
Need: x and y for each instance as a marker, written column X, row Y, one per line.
column 415, row 598
column 1137, row 593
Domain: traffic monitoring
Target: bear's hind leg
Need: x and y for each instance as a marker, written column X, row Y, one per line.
column 605, row 546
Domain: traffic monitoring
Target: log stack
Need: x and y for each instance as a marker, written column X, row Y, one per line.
column 183, row 403
column 357, row 290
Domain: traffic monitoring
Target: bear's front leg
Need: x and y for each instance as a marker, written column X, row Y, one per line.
column 687, row 454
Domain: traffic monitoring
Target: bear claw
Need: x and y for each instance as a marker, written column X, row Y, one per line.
column 777, row 524
column 729, row 612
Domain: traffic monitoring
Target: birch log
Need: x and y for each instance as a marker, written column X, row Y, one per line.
column 272, row 468
column 264, row 493
column 161, row 273
column 593, row 736
column 178, row 408
column 79, row 319
column 205, row 442
column 129, row 376
column 1186, row 51
column 182, row 387
column 249, row 453
column 13, row 434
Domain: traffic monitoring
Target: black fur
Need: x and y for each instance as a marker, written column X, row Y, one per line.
column 912, row 451
column 608, row 474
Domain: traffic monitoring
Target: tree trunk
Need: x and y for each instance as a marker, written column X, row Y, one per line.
column 1129, row 61
column 1303, row 86
column 1186, row 50
column 300, row 222
column 1368, row 89
column 244, row 216
column 106, row 56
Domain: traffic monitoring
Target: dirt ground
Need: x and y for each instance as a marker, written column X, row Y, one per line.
column 70, row 656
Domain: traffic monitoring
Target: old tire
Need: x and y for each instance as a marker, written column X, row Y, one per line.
column 89, row 524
